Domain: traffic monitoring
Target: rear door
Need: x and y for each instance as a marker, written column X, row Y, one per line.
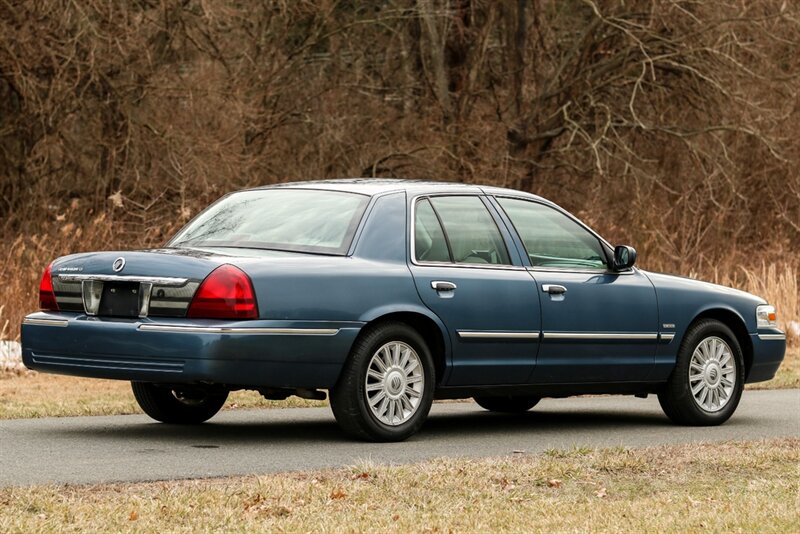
column 465, row 274
column 597, row 325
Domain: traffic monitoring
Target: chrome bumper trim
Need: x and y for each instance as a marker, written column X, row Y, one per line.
column 45, row 322
column 155, row 280
column 772, row 337
column 599, row 336
column 474, row 334
column 238, row 330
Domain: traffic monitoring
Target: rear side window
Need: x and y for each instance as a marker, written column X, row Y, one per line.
column 429, row 241
column 468, row 232
column 551, row 238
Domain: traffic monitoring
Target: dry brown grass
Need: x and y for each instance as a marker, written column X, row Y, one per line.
column 737, row 486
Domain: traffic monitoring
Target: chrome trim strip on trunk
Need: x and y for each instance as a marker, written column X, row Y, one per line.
column 772, row 337
column 491, row 334
column 155, row 280
column 45, row 322
column 599, row 335
column 238, row 330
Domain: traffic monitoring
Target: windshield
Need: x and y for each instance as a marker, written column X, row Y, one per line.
column 303, row 220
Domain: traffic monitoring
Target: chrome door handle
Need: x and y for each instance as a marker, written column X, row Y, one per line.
column 442, row 285
column 554, row 289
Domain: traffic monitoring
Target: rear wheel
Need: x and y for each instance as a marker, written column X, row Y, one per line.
column 706, row 385
column 508, row 403
column 176, row 406
column 385, row 390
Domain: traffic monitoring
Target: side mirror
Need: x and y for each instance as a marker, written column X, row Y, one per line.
column 624, row 257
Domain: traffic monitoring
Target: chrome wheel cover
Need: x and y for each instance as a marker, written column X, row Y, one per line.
column 712, row 374
column 394, row 383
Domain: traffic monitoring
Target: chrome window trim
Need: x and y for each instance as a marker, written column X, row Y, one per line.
column 580, row 271
column 155, row 280
column 772, row 337
column 39, row 321
column 601, row 335
column 412, row 232
column 494, row 334
column 246, row 330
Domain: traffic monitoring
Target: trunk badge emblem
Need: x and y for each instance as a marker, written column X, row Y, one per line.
column 118, row 264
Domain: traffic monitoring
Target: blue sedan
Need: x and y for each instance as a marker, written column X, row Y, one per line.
column 390, row 294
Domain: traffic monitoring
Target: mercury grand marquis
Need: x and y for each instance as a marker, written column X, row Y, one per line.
column 390, row 294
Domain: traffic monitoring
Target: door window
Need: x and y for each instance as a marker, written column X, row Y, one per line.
column 429, row 241
column 551, row 238
column 457, row 229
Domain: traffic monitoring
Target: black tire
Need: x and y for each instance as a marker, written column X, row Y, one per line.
column 176, row 407
column 350, row 399
column 508, row 403
column 677, row 399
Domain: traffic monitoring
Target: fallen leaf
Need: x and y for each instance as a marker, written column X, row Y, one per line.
column 338, row 493
column 601, row 492
column 134, row 515
column 360, row 476
column 395, row 517
column 253, row 501
column 554, row 483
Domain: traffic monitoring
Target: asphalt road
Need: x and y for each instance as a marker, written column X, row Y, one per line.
column 133, row 448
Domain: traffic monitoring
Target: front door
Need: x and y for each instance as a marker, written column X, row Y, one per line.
column 464, row 273
column 597, row 325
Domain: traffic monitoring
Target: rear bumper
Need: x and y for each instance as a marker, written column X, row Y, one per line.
column 769, row 349
column 261, row 353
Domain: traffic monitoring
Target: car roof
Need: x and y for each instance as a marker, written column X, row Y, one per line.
column 375, row 186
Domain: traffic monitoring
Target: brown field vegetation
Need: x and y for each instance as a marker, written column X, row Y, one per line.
column 749, row 486
column 669, row 125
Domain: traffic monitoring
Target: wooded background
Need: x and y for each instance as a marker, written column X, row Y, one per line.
column 670, row 125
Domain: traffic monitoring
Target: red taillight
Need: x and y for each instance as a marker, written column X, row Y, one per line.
column 226, row 293
column 47, row 298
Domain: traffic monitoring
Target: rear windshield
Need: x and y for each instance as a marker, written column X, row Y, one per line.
column 302, row 220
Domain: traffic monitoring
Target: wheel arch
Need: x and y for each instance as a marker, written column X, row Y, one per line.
column 427, row 324
column 736, row 323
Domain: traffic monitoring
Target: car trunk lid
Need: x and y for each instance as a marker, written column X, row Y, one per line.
column 158, row 282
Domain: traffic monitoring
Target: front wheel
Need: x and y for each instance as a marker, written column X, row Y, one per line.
column 706, row 385
column 175, row 406
column 385, row 390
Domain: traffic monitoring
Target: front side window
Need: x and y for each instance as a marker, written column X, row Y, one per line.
column 303, row 220
column 551, row 238
column 464, row 226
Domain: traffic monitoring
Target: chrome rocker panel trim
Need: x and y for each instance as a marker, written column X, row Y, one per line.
column 772, row 337
column 45, row 322
column 238, row 330
column 476, row 334
column 599, row 335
